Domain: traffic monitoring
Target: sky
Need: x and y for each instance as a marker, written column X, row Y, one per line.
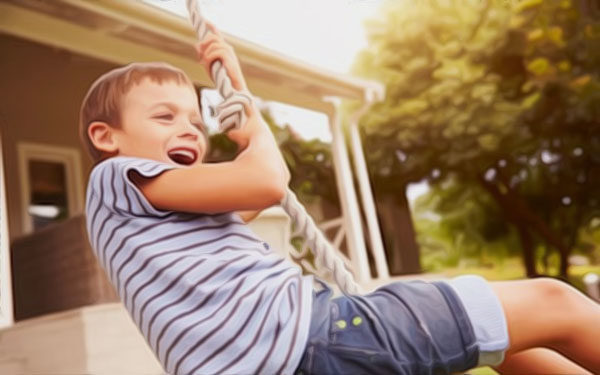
column 323, row 33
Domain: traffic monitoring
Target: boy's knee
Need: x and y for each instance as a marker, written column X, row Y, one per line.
column 563, row 306
column 553, row 293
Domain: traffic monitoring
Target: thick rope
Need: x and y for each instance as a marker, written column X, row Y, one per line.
column 231, row 114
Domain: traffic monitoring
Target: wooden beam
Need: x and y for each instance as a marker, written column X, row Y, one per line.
column 155, row 20
column 51, row 31
column 58, row 33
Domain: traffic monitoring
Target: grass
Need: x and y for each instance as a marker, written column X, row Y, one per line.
column 482, row 371
column 512, row 269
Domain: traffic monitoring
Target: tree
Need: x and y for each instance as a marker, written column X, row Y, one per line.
column 468, row 85
column 432, row 120
column 552, row 166
column 468, row 227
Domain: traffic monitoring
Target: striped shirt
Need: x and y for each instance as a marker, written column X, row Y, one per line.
column 207, row 294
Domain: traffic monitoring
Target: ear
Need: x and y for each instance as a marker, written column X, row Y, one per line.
column 102, row 136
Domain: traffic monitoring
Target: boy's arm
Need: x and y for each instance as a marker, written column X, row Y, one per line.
column 255, row 180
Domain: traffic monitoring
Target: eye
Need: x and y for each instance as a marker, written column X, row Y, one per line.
column 198, row 124
column 165, row 117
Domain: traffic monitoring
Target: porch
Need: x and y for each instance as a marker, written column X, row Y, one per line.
column 58, row 313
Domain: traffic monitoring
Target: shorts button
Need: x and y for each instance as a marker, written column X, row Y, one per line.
column 266, row 245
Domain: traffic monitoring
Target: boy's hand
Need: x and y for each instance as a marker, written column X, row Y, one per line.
column 254, row 128
column 213, row 47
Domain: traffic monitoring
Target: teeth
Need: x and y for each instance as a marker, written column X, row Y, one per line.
column 182, row 156
column 184, row 153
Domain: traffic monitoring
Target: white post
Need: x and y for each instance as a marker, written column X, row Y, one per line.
column 6, row 302
column 592, row 285
column 348, row 198
column 366, row 193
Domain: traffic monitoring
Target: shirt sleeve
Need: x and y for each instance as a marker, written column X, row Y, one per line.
column 111, row 186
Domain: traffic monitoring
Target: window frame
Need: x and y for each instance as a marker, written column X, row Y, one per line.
column 6, row 299
column 70, row 157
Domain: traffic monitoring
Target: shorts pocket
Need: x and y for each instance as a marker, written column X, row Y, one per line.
column 355, row 360
column 354, row 352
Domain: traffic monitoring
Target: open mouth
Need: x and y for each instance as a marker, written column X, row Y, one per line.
column 183, row 156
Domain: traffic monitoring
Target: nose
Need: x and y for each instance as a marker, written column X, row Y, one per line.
column 189, row 131
column 189, row 135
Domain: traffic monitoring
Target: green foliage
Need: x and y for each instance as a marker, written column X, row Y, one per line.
column 310, row 162
column 556, row 167
column 467, row 228
column 497, row 106
column 221, row 149
column 443, row 109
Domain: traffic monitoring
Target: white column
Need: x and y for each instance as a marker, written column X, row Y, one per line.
column 348, row 198
column 366, row 195
column 6, row 302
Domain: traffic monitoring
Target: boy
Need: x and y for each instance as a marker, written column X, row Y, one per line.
column 212, row 298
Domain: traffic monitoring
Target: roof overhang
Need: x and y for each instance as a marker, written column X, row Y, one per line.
column 127, row 31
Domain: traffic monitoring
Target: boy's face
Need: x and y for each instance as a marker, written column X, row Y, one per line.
column 161, row 122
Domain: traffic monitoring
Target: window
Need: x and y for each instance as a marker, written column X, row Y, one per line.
column 50, row 184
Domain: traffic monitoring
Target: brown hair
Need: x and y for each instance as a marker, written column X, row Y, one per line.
column 104, row 98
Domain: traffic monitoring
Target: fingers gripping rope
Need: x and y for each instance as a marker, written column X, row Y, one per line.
column 231, row 114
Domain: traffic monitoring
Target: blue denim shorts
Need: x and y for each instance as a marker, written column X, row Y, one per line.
column 409, row 327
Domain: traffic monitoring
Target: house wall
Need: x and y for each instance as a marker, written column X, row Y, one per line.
column 55, row 269
column 41, row 89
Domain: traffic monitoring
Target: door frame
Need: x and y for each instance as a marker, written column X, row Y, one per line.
column 6, row 299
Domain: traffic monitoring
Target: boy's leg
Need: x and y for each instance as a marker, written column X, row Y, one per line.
column 549, row 313
column 539, row 361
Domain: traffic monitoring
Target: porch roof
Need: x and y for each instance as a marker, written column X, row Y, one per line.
column 126, row 31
